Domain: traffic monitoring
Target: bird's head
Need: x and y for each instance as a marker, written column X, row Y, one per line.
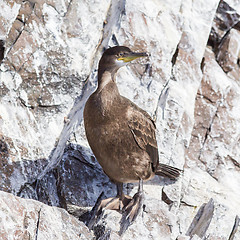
column 116, row 57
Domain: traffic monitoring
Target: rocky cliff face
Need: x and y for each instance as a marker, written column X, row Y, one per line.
column 189, row 85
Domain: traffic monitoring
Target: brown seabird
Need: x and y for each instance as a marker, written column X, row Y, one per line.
column 122, row 136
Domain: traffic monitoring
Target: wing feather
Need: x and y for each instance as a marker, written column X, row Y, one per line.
column 143, row 129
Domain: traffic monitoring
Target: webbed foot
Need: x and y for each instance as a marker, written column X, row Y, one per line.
column 114, row 203
column 132, row 209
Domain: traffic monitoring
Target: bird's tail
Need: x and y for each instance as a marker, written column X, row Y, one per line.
column 168, row 171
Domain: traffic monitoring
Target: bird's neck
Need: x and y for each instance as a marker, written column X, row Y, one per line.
column 107, row 94
column 105, row 78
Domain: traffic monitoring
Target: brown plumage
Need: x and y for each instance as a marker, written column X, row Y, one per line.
column 122, row 135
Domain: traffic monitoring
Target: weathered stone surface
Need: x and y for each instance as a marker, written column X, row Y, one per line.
column 225, row 35
column 28, row 219
column 48, row 71
column 228, row 56
column 215, row 143
column 49, row 52
column 82, row 176
column 226, row 18
column 154, row 223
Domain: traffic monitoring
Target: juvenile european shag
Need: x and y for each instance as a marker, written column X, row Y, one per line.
column 122, row 136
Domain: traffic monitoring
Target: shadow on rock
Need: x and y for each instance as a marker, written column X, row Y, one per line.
column 74, row 184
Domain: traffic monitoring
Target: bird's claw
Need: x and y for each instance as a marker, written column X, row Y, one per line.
column 129, row 207
column 131, row 211
column 113, row 203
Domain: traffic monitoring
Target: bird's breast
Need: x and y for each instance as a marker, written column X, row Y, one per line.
column 111, row 140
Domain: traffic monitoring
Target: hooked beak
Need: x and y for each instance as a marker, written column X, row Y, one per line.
column 128, row 57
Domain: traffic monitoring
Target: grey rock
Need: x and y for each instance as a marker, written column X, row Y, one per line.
column 48, row 71
column 30, row 219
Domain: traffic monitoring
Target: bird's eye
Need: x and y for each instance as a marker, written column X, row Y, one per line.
column 120, row 54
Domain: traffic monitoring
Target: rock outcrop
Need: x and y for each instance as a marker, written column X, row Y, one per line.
column 190, row 85
column 29, row 219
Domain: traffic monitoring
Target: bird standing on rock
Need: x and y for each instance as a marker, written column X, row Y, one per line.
column 122, row 137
